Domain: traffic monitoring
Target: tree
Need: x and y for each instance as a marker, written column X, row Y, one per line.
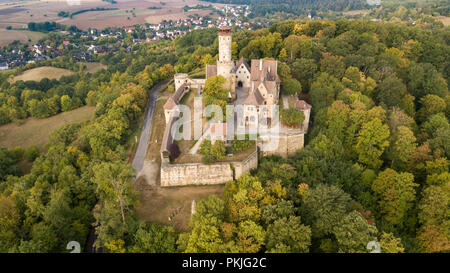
column 371, row 143
column 288, row 235
column 66, row 103
column 333, row 66
column 292, row 117
column 154, row 238
column 431, row 104
column 7, row 163
column 291, row 87
column 423, row 79
column 31, row 153
column 324, row 91
column 113, row 180
column 212, row 152
column 9, row 223
column 323, row 207
column 250, row 237
column 353, row 233
column 214, row 90
column 205, row 224
column 390, row 244
column 391, row 91
column 282, row 57
column 304, row 70
column 402, row 147
column 433, row 215
column 395, row 194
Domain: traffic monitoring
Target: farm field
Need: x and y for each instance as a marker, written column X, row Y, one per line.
column 34, row 131
column 445, row 20
column 9, row 36
column 125, row 13
column 37, row 74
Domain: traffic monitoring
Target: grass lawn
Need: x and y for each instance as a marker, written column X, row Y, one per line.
column 39, row 73
column 34, row 131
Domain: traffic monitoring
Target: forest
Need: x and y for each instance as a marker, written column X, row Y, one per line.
column 374, row 168
column 376, row 163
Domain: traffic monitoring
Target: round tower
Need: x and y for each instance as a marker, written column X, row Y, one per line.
column 180, row 79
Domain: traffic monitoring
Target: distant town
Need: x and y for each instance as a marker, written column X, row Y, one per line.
column 83, row 45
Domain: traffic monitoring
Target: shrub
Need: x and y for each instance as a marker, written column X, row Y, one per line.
column 174, row 151
column 212, row 153
column 292, row 117
column 241, row 145
column 31, row 153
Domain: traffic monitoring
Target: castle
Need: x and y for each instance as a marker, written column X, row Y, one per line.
column 250, row 86
column 255, row 87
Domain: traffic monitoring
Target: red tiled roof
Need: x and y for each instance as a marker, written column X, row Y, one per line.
column 239, row 63
column 302, row 105
column 254, row 98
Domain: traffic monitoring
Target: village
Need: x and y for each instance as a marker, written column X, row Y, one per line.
column 84, row 45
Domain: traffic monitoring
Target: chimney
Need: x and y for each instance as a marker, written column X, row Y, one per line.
column 260, row 64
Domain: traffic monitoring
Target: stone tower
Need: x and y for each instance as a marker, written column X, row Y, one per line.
column 225, row 63
column 225, row 45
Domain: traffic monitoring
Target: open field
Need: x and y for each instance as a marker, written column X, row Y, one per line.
column 445, row 20
column 93, row 67
column 356, row 12
column 128, row 12
column 158, row 204
column 38, row 73
column 177, row 14
column 24, row 36
column 36, row 132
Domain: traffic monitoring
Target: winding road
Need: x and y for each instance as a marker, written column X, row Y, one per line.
column 139, row 157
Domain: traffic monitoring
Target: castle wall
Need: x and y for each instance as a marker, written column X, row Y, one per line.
column 203, row 174
column 245, row 166
column 195, row 174
column 288, row 144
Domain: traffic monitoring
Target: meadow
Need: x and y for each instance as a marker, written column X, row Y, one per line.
column 36, row 132
column 39, row 73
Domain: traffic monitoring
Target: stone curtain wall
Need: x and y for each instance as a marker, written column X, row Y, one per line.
column 250, row 163
column 195, row 174
column 288, row 144
column 202, row 174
